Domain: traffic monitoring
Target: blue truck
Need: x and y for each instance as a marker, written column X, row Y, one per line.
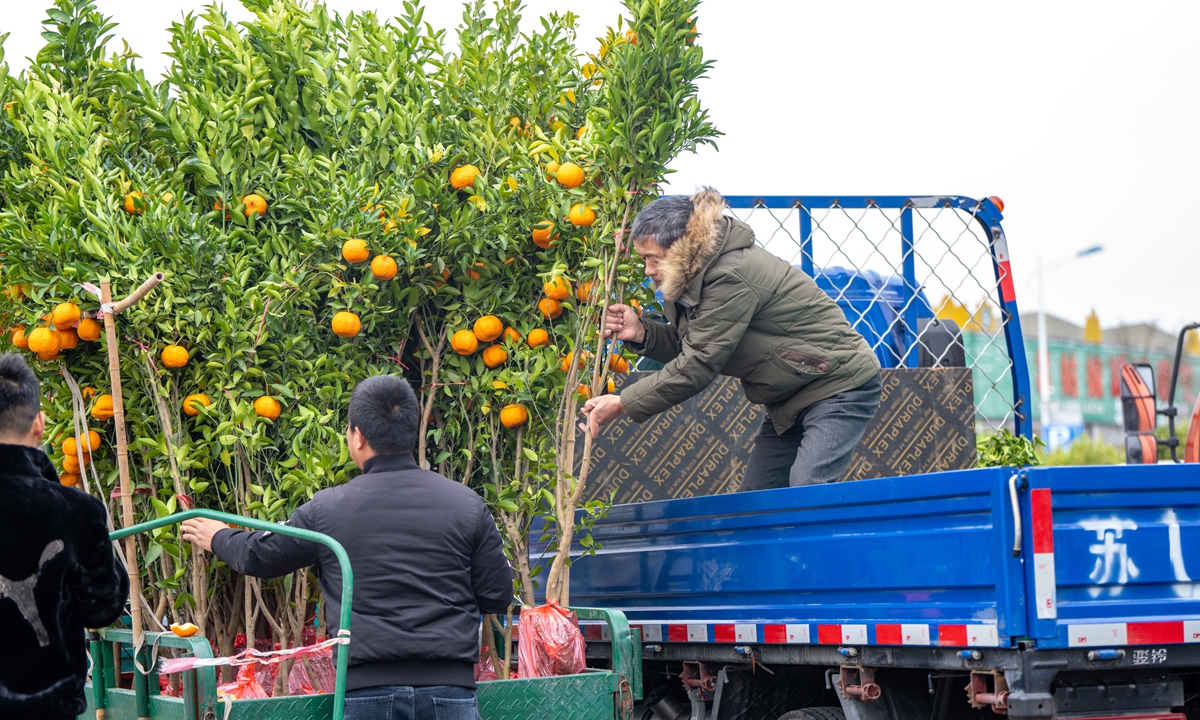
column 1032, row 592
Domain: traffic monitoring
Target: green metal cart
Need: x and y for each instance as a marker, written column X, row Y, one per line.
column 592, row 695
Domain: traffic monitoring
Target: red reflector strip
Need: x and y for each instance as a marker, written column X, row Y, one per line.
column 1007, row 292
column 1153, row 633
column 1043, row 521
column 889, row 635
column 829, row 634
column 724, row 634
column 775, row 634
column 952, row 635
column 677, row 633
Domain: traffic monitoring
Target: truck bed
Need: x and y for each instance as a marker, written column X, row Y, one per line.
column 1106, row 557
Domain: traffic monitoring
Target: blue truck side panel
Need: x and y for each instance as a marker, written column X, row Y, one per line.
column 930, row 552
column 934, row 552
column 1126, row 555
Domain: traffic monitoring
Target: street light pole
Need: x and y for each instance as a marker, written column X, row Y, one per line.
column 1043, row 353
column 1043, row 348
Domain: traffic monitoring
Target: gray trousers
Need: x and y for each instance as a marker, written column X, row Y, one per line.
column 818, row 447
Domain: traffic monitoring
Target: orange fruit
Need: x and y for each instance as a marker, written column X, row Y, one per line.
column 19, row 339
column 616, row 363
column 552, row 169
column 69, row 479
column 541, row 234
column 513, row 415
column 565, row 363
column 70, row 448
column 631, row 37
column 584, row 291
column 88, row 330
column 219, row 206
column 88, row 392
column 550, row 309
column 636, row 306
column 538, row 337
column 192, row 403
column 494, row 355
column 174, row 356
column 474, row 275
column 579, row 135
column 93, row 441
column 463, row 176
column 71, row 464
column 464, row 342
column 102, row 409
column 346, row 324
column 372, row 208
column 134, row 204
column 48, row 356
column 184, row 630
column 44, row 341
column 65, row 315
column 511, row 335
column 488, row 328
column 586, row 390
column 355, row 251
column 383, row 267
column 582, row 216
column 255, row 204
column 570, row 175
column 558, row 288
column 268, row 407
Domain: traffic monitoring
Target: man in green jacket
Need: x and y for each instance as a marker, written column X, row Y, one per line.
column 735, row 309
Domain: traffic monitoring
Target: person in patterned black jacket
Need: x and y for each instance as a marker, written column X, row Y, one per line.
column 57, row 570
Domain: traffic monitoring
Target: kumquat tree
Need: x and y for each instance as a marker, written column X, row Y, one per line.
column 329, row 198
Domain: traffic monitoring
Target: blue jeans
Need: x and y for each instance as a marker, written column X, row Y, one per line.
column 395, row 702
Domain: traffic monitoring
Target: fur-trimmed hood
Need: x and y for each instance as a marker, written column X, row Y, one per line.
column 700, row 243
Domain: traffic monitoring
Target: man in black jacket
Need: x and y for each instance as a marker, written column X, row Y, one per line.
column 57, row 570
column 427, row 561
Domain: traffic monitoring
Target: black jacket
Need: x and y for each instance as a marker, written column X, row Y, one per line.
column 427, row 560
column 57, row 577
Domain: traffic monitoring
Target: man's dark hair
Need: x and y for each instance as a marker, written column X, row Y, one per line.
column 664, row 220
column 384, row 409
column 20, row 399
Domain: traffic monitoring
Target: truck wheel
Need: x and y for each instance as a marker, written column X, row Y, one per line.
column 815, row 713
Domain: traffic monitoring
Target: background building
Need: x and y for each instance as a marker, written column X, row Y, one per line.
column 1085, row 365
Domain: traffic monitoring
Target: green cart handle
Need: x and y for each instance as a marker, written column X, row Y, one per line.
column 343, row 656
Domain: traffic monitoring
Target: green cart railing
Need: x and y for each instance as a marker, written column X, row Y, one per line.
column 592, row 695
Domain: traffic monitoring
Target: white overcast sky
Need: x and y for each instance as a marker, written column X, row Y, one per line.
column 1083, row 117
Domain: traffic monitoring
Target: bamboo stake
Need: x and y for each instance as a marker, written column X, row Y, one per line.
column 114, row 371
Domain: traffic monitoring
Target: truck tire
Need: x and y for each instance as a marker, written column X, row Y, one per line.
column 815, row 713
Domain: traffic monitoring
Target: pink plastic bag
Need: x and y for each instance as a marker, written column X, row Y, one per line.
column 265, row 674
column 550, row 642
column 245, row 687
column 320, row 680
column 485, row 669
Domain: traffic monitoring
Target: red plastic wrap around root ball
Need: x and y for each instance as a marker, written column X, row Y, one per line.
column 550, row 642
